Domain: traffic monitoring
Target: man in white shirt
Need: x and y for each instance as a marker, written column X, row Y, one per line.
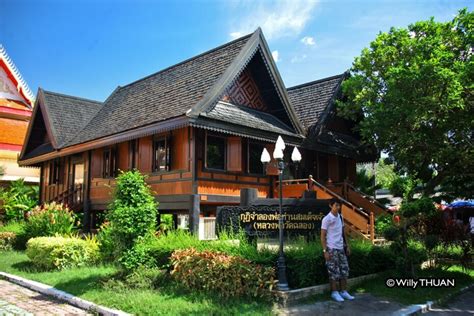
column 332, row 239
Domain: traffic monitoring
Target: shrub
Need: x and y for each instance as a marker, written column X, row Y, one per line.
column 17, row 228
column 7, row 240
column 162, row 247
column 48, row 220
column 105, row 237
column 304, row 260
column 307, row 255
column 224, row 275
column 139, row 256
column 306, row 264
column 382, row 223
column 61, row 252
column 132, row 216
column 18, row 199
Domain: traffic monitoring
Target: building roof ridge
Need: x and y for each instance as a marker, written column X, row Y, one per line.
column 310, row 83
column 188, row 60
column 71, row 96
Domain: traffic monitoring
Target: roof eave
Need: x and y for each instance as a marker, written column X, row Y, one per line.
column 158, row 127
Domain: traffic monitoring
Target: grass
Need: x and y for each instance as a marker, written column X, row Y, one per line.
column 89, row 283
column 418, row 295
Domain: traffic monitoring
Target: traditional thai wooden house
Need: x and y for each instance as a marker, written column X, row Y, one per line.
column 16, row 106
column 197, row 129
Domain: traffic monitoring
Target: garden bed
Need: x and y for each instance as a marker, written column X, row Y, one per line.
column 90, row 283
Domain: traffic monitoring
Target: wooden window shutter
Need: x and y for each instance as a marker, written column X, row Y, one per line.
column 145, row 154
column 234, row 153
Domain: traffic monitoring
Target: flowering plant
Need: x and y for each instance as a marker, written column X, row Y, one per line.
column 49, row 219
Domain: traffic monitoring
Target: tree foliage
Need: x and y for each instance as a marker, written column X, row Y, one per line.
column 414, row 87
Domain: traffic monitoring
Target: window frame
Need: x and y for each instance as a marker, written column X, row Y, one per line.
column 206, row 166
column 262, row 145
column 109, row 170
column 167, row 141
column 54, row 172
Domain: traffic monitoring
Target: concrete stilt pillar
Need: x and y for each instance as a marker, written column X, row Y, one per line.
column 194, row 211
column 247, row 196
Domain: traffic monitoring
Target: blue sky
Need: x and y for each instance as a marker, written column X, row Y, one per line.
column 87, row 48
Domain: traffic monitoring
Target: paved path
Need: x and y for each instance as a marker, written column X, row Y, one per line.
column 363, row 304
column 17, row 300
column 461, row 305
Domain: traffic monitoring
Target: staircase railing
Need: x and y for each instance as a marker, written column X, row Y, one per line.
column 72, row 197
column 361, row 199
column 362, row 221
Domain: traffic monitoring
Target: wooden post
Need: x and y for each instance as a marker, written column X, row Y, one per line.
column 372, row 227
column 310, row 183
column 87, row 176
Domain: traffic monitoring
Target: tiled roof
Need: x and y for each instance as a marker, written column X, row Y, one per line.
column 310, row 100
column 68, row 114
column 163, row 95
column 244, row 116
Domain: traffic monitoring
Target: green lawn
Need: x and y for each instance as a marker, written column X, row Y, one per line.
column 88, row 283
column 418, row 295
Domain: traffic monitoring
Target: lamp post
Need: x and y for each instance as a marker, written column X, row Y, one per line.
column 265, row 159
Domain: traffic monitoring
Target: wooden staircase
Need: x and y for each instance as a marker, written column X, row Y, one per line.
column 358, row 209
column 72, row 198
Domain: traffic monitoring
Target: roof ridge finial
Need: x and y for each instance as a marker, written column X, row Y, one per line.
column 21, row 83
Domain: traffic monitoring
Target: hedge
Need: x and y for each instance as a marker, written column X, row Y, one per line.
column 61, row 252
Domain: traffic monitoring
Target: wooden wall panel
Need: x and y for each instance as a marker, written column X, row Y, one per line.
column 101, row 193
column 180, row 149
column 96, row 163
column 123, row 156
column 145, row 154
column 232, row 189
column 234, row 153
column 168, row 188
column 333, row 167
column 351, row 170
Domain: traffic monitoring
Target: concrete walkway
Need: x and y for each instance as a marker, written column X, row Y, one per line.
column 363, row 304
column 17, row 300
column 461, row 305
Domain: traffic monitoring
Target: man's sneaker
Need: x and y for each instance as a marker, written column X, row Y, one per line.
column 346, row 295
column 336, row 296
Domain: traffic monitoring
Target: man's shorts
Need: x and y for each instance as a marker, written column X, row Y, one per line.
column 338, row 267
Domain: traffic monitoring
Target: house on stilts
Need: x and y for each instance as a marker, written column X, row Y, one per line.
column 197, row 129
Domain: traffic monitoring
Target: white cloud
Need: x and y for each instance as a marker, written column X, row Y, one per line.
column 277, row 18
column 298, row 58
column 235, row 35
column 276, row 56
column 308, row 40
